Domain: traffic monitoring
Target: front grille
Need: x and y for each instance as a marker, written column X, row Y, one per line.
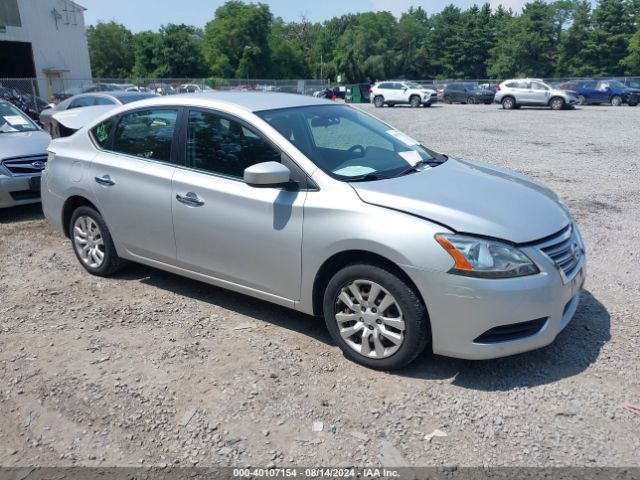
column 25, row 165
column 564, row 250
column 513, row 331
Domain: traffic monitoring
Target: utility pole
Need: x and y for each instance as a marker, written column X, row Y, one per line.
column 321, row 71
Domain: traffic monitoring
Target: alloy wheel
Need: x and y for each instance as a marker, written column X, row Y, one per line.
column 88, row 241
column 369, row 319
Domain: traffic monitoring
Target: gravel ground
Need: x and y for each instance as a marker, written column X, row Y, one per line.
column 150, row 368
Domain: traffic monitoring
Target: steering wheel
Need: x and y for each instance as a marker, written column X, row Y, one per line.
column 355, row 148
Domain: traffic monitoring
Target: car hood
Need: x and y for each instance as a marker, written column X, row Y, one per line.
column 22, row 144
column 473, row 197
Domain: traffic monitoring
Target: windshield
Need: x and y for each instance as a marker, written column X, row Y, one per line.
column 347, row 143
column 13, row 120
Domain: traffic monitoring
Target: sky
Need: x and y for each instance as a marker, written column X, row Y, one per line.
column 138, row 15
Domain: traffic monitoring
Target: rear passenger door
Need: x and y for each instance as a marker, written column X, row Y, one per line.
column 131, row 177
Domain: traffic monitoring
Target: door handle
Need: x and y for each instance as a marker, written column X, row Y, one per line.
column 190, row 199
column 105, row 180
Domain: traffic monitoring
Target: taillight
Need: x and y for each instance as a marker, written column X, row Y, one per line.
column 497, row 88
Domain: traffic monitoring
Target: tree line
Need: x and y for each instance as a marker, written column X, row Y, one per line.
column 562, row 38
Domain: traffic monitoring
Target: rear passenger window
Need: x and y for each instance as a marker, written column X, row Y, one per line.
column 146, row 134
column 384, row 86
column 102, row 131
column 81, row 102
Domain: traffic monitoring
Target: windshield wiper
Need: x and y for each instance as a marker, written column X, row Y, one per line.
column 367, row 177
column 431, row 162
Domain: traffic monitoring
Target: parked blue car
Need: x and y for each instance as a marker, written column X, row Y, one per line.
column 592, row 92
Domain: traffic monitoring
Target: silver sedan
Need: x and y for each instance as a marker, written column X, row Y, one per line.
column 324, row 209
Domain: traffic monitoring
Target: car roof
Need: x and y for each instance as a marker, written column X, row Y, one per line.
column 117, row 94
column 250, row 101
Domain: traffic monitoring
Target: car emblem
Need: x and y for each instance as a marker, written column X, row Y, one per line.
column 38, row 164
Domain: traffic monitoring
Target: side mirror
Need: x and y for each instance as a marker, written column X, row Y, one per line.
column 267, row 174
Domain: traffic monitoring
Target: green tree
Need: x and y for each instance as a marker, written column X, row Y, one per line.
column 632, row 61
column 236, row 42
column 145, row 45
column 178, row 52
column 412, row 43
column 110, row 50
column 613, row 26
column 575, row 54
column 447, row 43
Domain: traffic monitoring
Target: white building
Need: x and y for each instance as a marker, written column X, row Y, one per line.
column 45, row 39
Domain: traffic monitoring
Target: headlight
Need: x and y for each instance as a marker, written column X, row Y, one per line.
column 480, row 257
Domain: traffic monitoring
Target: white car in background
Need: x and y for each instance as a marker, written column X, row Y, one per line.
column 401, row 92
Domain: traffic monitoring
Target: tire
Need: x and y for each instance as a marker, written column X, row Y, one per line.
column 508, row 103
column 556, row 103
column 448, row 100
column 414, row 101
column 101, row 258
column 378, row 101
column 582, row 100
column 632, row 104
column 391, row 105
column 428, row 104
column 471, row 101
column 406, row 322
column 616, row 101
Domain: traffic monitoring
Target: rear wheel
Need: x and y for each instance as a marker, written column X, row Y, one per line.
column 378, row 101
column 375, row 317
column 448, row 100
column 414, row 101
column 556, row 103
column 92, row 242
column 471, row 100
column 616, row 101
column 508, row 103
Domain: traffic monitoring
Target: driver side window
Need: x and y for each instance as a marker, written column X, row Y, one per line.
column 223, row 146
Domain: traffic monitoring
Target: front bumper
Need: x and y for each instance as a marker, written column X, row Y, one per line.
column 18, row 190
column 461, row 309
column 429, row 100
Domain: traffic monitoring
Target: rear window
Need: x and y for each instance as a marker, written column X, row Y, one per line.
column 135, row 97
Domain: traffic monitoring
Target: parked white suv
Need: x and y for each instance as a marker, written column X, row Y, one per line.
column 394, row 92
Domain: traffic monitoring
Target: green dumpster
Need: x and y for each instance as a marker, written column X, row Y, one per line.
column 357, row 93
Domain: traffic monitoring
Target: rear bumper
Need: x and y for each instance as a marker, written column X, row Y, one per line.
column 16, row 190
column 462, row 309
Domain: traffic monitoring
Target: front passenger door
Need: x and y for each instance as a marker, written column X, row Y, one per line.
column 226, row 229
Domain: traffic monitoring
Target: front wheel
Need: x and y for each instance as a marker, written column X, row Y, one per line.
column 616, row 101
column 378, row 101
column 581, row 100
column 92, row 242
column 448, row 100
column 556, row 103
column 471, row 101
column 414, row 101
column 375, row 318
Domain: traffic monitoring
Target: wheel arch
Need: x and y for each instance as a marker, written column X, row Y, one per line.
column 70, row 205
column 341, row 259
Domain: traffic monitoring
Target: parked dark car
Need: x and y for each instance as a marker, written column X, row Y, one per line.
column 29, row 104
column 595, row 92
column 469, row 93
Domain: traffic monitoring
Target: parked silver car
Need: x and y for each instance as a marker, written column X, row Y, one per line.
column 116, row 97
column 23, row 156
column 322, row 208
column 533, row 92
